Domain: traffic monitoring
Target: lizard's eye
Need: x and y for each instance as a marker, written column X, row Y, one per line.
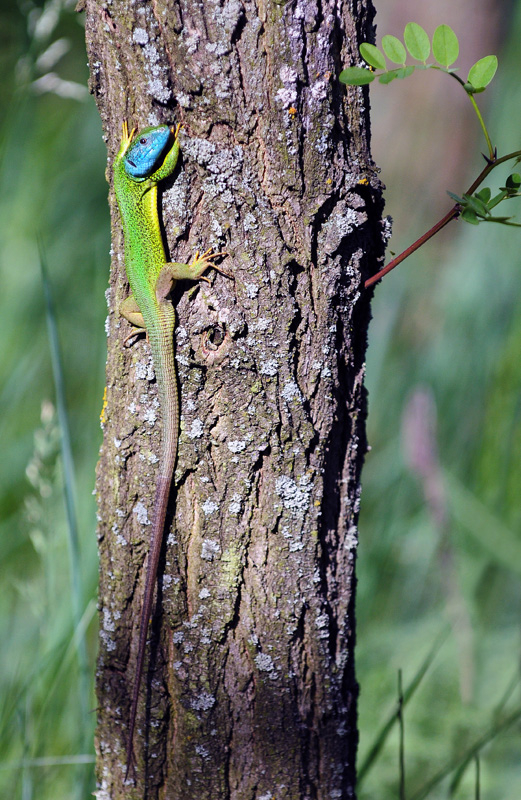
column 142, row 140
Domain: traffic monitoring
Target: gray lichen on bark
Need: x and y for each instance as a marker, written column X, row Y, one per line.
column 250, row 689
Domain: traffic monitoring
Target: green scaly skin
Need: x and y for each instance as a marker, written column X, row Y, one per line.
column 151, row 280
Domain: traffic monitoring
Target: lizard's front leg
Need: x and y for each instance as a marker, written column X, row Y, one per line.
column 175, row 271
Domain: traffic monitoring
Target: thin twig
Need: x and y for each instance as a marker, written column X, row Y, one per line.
column 452, row 214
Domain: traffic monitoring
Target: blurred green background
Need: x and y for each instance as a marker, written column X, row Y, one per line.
column 440, row 544
column 440, row 547
column 52, row 162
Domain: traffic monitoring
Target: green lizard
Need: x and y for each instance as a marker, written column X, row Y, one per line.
column 138, row 168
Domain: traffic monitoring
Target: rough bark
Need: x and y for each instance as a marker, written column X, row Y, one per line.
column 250, row 689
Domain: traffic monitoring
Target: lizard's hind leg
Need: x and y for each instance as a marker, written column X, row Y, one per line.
column 129, row 309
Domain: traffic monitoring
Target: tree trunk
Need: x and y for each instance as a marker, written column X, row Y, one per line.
column 249, row 690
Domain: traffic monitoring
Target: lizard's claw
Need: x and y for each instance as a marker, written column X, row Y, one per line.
column 206, row 260
column 176, row 130
column 126, row 137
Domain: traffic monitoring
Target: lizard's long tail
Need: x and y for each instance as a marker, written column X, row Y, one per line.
column 156, row 541
column 163, row 357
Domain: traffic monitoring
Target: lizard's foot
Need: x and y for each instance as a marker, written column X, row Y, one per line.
column 135, row 332
column 175, row 271
column 204, row 262
column 126, row 137
column 129, row 309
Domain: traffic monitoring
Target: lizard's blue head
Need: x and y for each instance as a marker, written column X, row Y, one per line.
column 144, row 156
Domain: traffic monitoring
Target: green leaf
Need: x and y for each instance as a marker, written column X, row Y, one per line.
column 513, row 181
column 482, row 72
column 476, row 205
column 498, row 198
column 417, row 41
column 445, row 45
column 387, row 77
column 456, row 198
column 394, row 49
column 356, row 76
column 372, row 55
column 504, row 221
column 469, row 216
column 484, row 195
column 404, row 72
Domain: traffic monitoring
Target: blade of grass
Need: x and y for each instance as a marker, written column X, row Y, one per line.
column 27, row 781
column 54, row 664
column 478, row 782
column 496, row 538
column 385, row 730
column 50, row 761
column 69, row 494
column 68, row 463
column 456, row 780
column 460, row 762
column 401, row 755
column 506, row 694
column 65, row 660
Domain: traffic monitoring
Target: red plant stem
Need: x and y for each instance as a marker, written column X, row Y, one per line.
column 452, row 214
